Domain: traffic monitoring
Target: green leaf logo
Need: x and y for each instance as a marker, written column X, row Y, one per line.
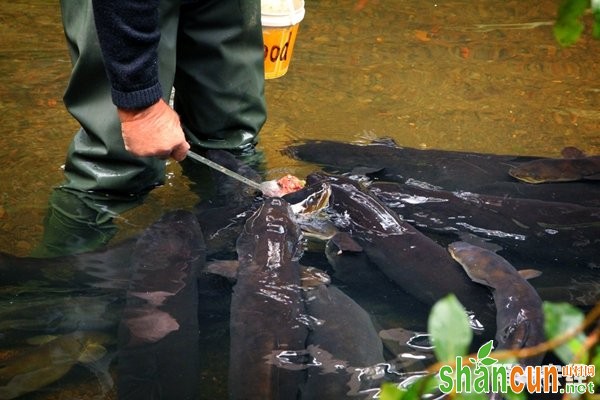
column 483, row 356
column 488, row 361
column 485, row 350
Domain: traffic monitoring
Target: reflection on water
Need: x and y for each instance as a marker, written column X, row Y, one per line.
column 485, row 77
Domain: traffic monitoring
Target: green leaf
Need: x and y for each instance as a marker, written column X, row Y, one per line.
column 560, row 318
column 596, row 25
column 568, row 26
column 567, row 32
column 424, row 385
column 391, row 392
column 485, row 349
column 416, row 390
column 449, row 328
column 572, row 9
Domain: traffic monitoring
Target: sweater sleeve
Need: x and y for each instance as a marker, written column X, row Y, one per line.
column 128, row 32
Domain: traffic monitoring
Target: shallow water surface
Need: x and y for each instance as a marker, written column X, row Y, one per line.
column 482, row 76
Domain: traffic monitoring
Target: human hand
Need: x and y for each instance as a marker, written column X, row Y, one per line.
column 153, row 132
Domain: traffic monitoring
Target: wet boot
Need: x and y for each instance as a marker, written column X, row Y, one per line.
column 102, row 178
column 78, row 222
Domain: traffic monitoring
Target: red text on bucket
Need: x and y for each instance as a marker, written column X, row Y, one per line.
column 275, row 52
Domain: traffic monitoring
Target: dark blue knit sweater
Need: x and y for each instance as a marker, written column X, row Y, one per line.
column 128, row 31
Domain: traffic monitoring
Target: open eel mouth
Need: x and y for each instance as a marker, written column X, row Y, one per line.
column 314, row 202
column 308, row 214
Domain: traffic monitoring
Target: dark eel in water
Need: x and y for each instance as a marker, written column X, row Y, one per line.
column 412, row 260
column 519, row 314
column 267, row 307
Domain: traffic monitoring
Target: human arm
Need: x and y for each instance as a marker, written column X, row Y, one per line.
column 128, row 32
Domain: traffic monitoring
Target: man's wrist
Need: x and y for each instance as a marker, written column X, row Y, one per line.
column 137, row 99
column 132, row 114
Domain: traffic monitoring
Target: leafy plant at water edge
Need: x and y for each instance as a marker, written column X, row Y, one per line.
column 561, row 318
column 449, row 327
column 569, row 25
column 565, row 323
column 451, row 334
